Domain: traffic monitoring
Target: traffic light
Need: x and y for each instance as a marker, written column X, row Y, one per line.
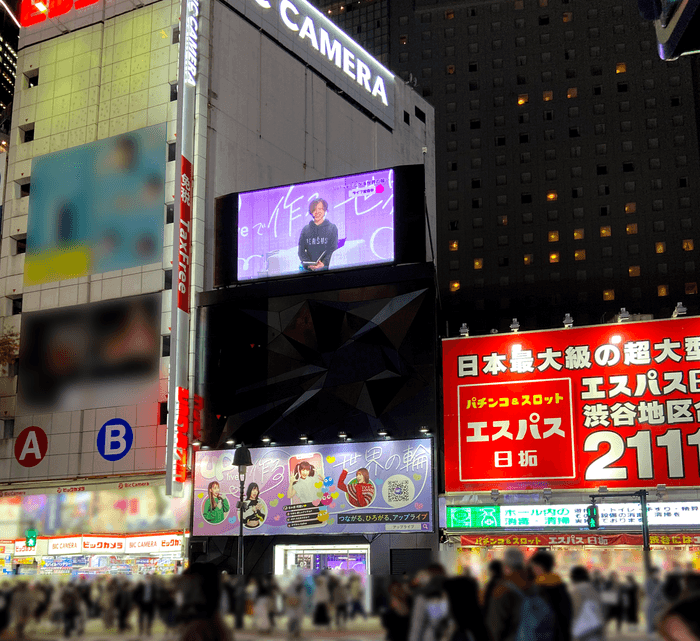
column 677, row 24
column 30, row 541
column 592, row 517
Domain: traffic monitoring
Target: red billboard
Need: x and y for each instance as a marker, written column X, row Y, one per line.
column 612, row 405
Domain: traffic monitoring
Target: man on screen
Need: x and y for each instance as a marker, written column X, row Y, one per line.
column 318, row 240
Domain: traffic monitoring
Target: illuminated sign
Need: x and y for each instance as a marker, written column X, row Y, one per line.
column 154, row 543
column 191, row 37
column 615, row 405
column 68, row 545
column 597, row 539
column 311, row 35
column 360, row 488
column 94, row 544
column 570, row 515
column 312, row 227
column 31, row 13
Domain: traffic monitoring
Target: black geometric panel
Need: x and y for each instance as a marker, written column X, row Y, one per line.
column 358, row 359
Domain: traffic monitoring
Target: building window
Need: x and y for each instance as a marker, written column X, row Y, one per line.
column 551, row 196
column 605, row 231
column 579, row 233
column 633, row 271
column 528, row 238
column 621, row 67
column 691, row 288
column 580, row 254
column 502, row 221
column 26, row 133
column 454, row 285
column 547, row 96
column 631, row 229
column 688, row 245
column 567, row 16
column 608, row 294
column 527, row 259
column 662, row 290
column 478, row 263
column 553, row 236
column 173, row 91
column 31, row 78
column 572, row 92
column 554, row 257
column 449, row 14
column 523, row 99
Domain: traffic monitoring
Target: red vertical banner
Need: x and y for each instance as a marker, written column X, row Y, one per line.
column 185, row 237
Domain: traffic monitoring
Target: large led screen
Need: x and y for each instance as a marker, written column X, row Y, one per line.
column 344, row 488
column 313, row 227
column 97, row 207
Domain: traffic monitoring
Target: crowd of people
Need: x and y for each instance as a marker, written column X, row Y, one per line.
column 522, row 600
column 527, row 600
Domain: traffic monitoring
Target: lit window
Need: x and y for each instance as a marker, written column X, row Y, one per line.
column 608, row 294
column 572, row 92
column 553, row 236
column 660, row 248
column 502, row 221
column 630, row 208
column 554, row 257
column 403, row 40
column 580, row 254
column 454, row 285
column 478, row 263
column 621, row 67
column 454, row 245
column 547, row 95
column 691, row 288
column 605, row 231
column 633, row 271
column 579, row 234
column 567, row 16
column 662, row 290
column 551, row 196
column 688, row 245
column 527, row 259
column 523, row 99
column 631, row 229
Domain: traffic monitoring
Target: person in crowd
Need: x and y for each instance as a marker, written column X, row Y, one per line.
column 22, row 608
column 681, row 621
column 340, row 597
column 199, row 597
column 294, row 602
column 70, row 605
column 655, row 602
column 463, row 594
column 597, row 580
column 495, row 571
column 630, row 602
column 612, row 600
column 396, row 618
column 5, row 603
column 263, row 608
column 503, row 615
column 357, row 596
column 432, row 618
column 321, row 600
column 146, row 596
column 552, row 588
column 123, row 603
column 588, row 615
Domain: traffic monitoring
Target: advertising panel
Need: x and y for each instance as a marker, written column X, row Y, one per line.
column 67, row 545
column 347, row 488
column 316, row 226
column 86, row 356
column 613, row 405
column 570, row 516
column 97, row 207
column 602, row 540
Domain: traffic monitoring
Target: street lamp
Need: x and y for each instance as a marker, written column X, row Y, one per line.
column 241, row 458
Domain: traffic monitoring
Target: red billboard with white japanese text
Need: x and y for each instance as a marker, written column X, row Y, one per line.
column 612, row 405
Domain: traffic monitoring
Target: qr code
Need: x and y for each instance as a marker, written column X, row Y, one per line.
column 398, row 491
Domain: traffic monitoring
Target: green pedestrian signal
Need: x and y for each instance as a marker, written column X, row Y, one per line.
column 30, row 541
column 592, row 517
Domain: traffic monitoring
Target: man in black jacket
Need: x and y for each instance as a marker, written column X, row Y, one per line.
column 553, row 590
column 318, row 239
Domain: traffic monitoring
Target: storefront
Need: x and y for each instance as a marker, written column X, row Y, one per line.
column 92, row 554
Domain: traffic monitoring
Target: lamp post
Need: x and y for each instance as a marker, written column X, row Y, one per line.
column 241, row 459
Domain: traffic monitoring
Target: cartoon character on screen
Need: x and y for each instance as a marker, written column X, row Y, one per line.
column 253, row 507
column 360, row 490
column 318, row 239
column 302, row 485
column 216, row 505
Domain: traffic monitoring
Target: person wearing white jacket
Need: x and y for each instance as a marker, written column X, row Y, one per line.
column 588, row 619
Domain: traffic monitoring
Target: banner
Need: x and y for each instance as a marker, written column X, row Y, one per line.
column 612, row 405
column 345, row 488
column 547, row 540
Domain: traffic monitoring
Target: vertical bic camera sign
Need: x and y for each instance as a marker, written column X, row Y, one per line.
column 178, row 390
column 614, row 405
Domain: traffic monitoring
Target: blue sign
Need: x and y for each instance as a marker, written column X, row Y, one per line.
column 114, row 440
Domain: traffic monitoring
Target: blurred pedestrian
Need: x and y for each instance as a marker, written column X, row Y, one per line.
column 146, row 597
column 432, row 618
column 612, row 600
column 199, row 595
column 321, row 600
column 495, row 570
column 262, row 608
column 295, row 596
column 552, row 588
column 588, row 618
column 339, row 599
column 357, row 596
column 630, row 601
column 21, row 609
column 681, row 622
column 5, row 600
column 396, row 618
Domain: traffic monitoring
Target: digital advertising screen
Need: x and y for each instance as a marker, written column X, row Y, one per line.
column 613, row 405
column 343, row 488
column 372, row 218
